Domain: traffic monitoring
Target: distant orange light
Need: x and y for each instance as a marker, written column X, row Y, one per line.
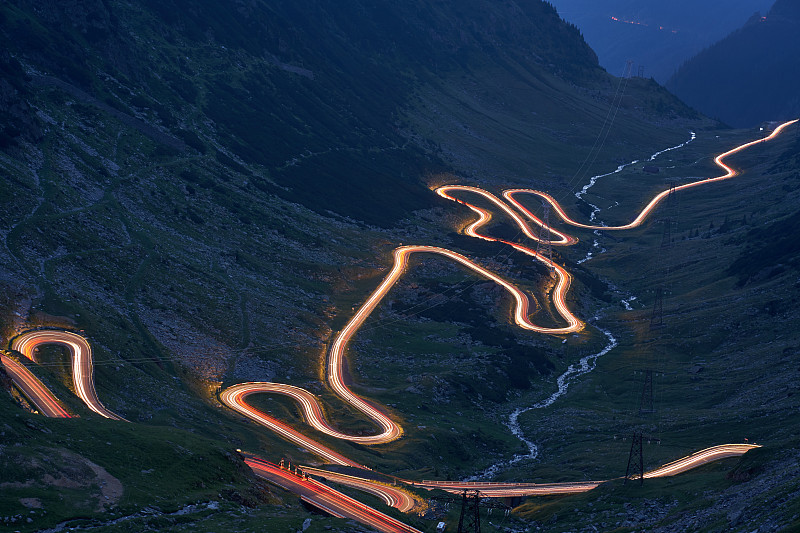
column 637, row 23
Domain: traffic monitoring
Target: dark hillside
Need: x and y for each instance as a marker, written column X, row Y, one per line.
column 208, row 189
column 750, row 76
column 773, row 248
column 658, row 36
column 294, row 94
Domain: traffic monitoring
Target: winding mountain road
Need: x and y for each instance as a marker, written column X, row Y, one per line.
column 326, row 498
column 234, row 397
column 506, row 490
column 730, row 172
column 312, row 410
column 312, row 490
column 393, row 496
column 33, row 389
column 82, row 365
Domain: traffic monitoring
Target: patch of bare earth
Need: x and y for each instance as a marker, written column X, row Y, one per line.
column 67, row 470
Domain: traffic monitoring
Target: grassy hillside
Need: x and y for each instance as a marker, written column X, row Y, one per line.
column 208, row 190
column 724, row 364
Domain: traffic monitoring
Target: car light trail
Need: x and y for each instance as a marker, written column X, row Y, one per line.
column 401, row 255
column 392, row 496
column 82, row 367
column 504, row 490
column 563, row 239
column 719, row 160
column 511, row 490
column 319, row 493
column 327, row 498
column 235, row 396
column 33, row 389
column 715, row 453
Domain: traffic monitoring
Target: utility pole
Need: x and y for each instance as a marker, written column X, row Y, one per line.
column 641, row 71
column 666, row 235
column 635, row 468
column 668, row 212
column 667, row 209
column 672, row 198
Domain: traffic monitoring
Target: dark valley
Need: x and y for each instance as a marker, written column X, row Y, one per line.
column 314, row 266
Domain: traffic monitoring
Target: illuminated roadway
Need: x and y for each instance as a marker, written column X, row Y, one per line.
column 82, row 367
column 325, row 497
column 33, row 389
column 719, row 160
column 336, row 503
column 392, row 496
column 715, row 453
column 235, row 396
column 333, row 501
column 505, row 490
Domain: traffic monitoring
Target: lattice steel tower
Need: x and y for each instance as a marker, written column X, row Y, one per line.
column 470, row 519
column 635, row 468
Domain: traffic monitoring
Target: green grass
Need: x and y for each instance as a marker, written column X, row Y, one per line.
column 598, row 408
column 740, row 338
column 664, row 500
column 678, row 494
column 162, row 467
column 233, row 240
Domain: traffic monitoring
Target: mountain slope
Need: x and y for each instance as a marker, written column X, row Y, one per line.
column 659, row 37
column 208, row 189
column 750, row 76
column 308, row 99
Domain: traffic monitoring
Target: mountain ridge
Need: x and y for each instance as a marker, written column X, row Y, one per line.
column 761, row 61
